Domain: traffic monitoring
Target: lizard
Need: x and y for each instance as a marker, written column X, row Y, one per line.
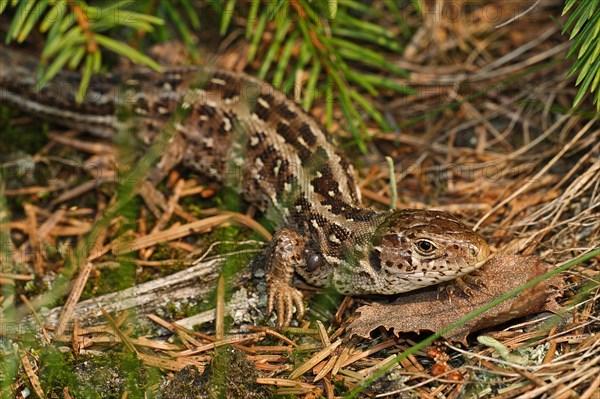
column 288, row 168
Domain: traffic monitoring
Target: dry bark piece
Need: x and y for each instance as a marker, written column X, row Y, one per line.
column 428, row 311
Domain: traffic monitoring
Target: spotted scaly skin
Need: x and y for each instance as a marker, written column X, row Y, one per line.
column 241, row 131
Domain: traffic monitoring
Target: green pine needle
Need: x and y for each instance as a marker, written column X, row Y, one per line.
column 315, row 48
column 77, row 31
column 332, row 46
column 584, row 26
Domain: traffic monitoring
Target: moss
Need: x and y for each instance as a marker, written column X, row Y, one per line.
column 181, row 309
column 93, row 376
column 229, row 375
column 24, row 138
column 112, row 279
column 9, row 366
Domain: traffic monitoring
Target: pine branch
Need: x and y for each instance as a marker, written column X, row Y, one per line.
column 584, row 24
column 74, row 34
column 325, row 39
column 330, row 49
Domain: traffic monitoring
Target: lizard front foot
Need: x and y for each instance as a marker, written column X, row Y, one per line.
column 284, row 256
column 465, row 284
column 286, row 297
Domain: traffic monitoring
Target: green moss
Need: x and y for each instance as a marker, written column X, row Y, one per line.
column 230, row 375
column 9, row 365
column 95, row 376
column 181, row 310
column 121, row 275
column 25, row 138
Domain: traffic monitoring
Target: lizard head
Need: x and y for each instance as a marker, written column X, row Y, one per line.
column 418, row 248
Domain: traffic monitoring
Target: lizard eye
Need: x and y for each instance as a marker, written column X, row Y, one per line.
column 425, row 247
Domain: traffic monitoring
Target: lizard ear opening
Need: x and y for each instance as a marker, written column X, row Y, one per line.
column 374, row 259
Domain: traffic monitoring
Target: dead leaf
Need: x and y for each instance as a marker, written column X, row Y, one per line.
column 429, row 311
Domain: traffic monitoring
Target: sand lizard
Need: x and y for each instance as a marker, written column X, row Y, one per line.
column 287, row 166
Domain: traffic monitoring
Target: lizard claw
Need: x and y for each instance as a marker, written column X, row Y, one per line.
column 286, row 297
column 286, row 251
column 462, row 283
